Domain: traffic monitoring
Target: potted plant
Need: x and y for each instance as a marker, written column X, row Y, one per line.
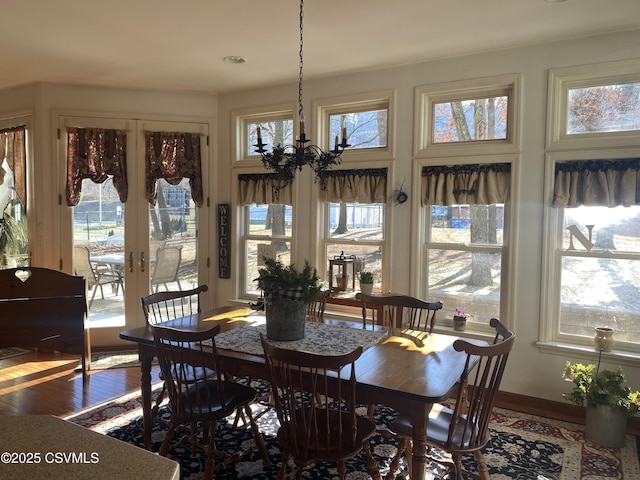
column 287, row 291
column 13, row 238
column 607, row 399
column 366, row 282
column 460, row 320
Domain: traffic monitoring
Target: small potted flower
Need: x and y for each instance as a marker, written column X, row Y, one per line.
column 460, row 320
column 607, row 399
column 366, row 282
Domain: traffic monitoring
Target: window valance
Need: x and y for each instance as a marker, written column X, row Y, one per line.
column 264, row 189
column 12, row 147
column 475, row 184
column 173, row 156
column 605, row 183
column 96, row 153
column 368, row 185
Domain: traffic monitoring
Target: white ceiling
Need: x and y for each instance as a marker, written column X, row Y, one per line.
column 180, row 44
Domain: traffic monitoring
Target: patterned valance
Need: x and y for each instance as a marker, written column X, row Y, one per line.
column 476, row 184
column 264, row 189
column 367, row 185
column 173, row 156
column 12, row 147
column 605, row 183
column 96, row 153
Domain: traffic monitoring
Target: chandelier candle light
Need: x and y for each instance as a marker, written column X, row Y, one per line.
column 284, row 160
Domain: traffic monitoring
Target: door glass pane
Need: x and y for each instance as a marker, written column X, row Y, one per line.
column 98, row 240
column 173, row 238
column 13, row 224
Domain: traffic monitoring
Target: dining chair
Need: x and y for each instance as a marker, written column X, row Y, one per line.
column 167, row 267
column 315, row 309
column 95, row 278
column 163, row 306
column 310, row 432
column 408, row 312
column 463, row 427
column 198, row 399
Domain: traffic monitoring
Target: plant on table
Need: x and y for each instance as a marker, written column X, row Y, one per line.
column 365, row 277
column 276, row 277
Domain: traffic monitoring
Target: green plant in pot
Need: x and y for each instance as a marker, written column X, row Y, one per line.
column 287, row 291
column 366, row 282
column 607, row 398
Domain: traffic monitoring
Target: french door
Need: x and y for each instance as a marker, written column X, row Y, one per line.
column 134, row 247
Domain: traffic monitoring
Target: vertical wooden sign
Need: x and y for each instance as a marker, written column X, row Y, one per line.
column 224, row 240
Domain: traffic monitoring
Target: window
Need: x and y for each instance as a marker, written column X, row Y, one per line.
column 276, row 127
column 594, row 106
column 465, row 238
column 362, row 119
column 267, row 226
column 594, row 250
column 470, row 117
column 354, row 227
column 13, row 197
column 600, row 272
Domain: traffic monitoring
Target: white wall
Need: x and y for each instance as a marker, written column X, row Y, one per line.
column 529, row 372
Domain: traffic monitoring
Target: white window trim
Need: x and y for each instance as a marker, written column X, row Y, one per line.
column 324, row 108
column 549, row 338
column 563, row 79
column 420, row 268
column 427, row 95
column 241, row 118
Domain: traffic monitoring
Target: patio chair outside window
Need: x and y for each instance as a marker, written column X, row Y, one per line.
column 167, row 267
column 95, row 278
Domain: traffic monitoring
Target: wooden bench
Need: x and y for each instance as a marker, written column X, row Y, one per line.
column 45, row 308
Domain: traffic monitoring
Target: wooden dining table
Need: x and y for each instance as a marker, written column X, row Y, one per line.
column 406, row 370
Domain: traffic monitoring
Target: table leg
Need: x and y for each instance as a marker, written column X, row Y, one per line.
column 419, row 419
column 145, row 386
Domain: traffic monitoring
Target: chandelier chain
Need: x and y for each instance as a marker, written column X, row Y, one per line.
column 301, row 62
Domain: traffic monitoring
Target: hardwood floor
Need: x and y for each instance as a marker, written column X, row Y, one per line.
column 47, row 383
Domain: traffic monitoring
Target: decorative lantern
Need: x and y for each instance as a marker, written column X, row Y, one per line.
column 342, row 273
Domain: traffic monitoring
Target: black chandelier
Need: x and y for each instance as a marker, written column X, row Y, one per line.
column 284, row 160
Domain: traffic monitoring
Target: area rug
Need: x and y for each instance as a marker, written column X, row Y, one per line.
column 9, row 352
column 117, row 359
column 522, row 447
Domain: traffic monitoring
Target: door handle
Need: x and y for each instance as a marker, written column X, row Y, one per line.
column 131, row 262
column 142, row 262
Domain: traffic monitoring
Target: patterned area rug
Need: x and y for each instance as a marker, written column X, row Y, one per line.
column 9, row 352
column 522, row 447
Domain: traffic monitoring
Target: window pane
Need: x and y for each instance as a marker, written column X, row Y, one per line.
column 363, row 129
column 602, row 228
column 13, row 224
column 272, row 133
column 368, row 257
column 283, row 253
column 272, row 220
column 470, row 120
column 356, row 221
column 475, row 224
column 605, row 108
column 599, row 292
column 469, row 281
